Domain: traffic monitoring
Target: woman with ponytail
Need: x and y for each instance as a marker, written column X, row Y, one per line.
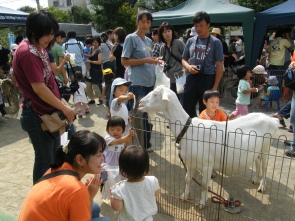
column 60, row 195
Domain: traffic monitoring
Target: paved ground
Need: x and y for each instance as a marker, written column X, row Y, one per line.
column 16, row 154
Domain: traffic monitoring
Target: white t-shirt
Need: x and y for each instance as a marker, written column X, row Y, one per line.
column 81, row 96
column 112, row 152
column 119, row 110
column 139, row 199
column 239, row 45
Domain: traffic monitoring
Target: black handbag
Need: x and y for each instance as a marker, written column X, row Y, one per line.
column 64, row 90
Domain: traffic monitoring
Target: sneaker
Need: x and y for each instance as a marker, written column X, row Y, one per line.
column 91, row 102
column 290, row 129
column 290, row 153
column 88, row 75
column 282, row 122
column 149, row 149
column 100, row 102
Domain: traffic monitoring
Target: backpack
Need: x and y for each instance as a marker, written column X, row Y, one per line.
column 78, row 43
column 289, row 78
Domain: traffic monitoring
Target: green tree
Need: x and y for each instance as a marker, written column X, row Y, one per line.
column 158, row 5
column 27, row 9
column 81, row 15
column 60, row 15
column 258, row 5
column 113, row 13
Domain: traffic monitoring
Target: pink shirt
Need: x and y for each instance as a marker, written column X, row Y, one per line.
column 28, row 69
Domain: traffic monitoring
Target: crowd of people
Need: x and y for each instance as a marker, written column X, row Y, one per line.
column 118, row 68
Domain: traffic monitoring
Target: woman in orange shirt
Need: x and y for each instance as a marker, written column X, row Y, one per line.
column 63, row 197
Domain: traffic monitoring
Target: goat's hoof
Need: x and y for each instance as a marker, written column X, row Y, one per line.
column 261, row 189
column 255, row 181
column 183, row 197
column 201, row 206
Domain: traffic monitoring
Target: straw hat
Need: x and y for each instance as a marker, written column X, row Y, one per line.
column 216, row 31
column 259, row 69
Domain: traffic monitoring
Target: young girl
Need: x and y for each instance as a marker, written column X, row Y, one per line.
column 115, row 144
column 119, row 94
column 63, row 196
column 244, row 91
column 80, row 96
column 272, row 81
column 135, row 198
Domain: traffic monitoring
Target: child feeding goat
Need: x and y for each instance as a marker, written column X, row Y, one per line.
column 201, row 148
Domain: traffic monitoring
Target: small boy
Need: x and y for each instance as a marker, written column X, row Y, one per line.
column 119, row 94
column 87, row 54
column 211, row 100
column 244, row 92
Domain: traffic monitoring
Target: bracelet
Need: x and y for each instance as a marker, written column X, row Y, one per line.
column 256, row 89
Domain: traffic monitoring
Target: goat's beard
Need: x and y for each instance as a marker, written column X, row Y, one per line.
column 152, row 116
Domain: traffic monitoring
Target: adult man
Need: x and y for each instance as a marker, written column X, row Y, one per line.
column 74, row 47
column 276, row 50
column 110, row 37
column 203, row 60
column 239, row 46
column 58, row 54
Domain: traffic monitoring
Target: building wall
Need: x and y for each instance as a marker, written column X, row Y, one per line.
column 67, row 4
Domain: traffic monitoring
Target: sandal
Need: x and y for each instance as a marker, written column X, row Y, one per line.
column 108, row 116
column 87, row 111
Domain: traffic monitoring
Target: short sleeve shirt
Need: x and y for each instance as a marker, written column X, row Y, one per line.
column 87, row 51
column 120, row 69
column 61, row 198
column 139, row 199
column 136, row 47
column 277, row 51
column 219, row 115
column 120, row 110
column 28, row 69
column 195, row 51
column 243, row 99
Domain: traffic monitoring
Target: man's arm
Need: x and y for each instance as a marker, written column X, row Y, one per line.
column 218, row 74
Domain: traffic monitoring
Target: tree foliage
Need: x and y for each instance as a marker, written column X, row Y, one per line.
column 110, row 14
column 258, row 5
column 27, row 9
column 158, row 5
column 60, row 15
column 81, row 15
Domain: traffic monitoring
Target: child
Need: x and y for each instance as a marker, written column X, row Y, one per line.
column 211, row 100
column 87, row 54
column 119, row 94
column 244, row 91
column 80, row 96
column 115, row 144
column 2, row 110
column 135, row 198
column 108, row 77
column 272, row 81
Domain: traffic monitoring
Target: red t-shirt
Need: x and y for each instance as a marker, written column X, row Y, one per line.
column 61, row 198
column 28, row 69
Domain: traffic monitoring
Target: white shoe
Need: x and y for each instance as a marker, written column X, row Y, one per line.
column 149, row 149
column 88, row 76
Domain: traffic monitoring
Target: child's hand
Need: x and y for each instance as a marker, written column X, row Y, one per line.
column 130, row 95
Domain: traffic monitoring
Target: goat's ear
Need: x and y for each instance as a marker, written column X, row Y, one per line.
column 165, row 96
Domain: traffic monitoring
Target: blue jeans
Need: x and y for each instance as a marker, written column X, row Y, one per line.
column 285, row 111
column 96, row 212
column 140, row 92
column 44, row 144
column 292, row 117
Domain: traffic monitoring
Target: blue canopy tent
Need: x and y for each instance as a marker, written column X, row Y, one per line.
column 221, row 13
column 10, row 17
column 283, row 14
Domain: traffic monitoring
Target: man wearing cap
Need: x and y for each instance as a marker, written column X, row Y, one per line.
column 203, row 60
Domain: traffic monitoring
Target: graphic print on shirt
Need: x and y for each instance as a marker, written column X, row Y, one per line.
column 276, row 46
column 198, row 53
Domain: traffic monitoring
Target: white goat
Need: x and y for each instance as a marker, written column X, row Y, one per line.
column 202, row 146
